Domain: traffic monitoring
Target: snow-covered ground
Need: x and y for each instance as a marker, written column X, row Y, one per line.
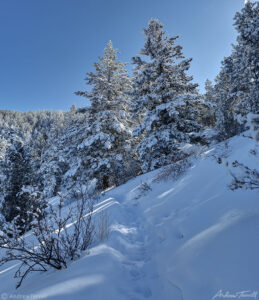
column 191, row 238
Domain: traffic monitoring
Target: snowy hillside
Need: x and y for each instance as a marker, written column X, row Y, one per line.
column 185, row 238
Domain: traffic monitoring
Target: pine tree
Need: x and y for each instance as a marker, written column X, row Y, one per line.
column 159, row 78
column 75, row 132
column 246, row 60
column 208, row 109
column 52, row 164
column 106, row 150
column 226, row 124
column 209, row 95
column 236, row 89
column 164, row 99
column 20, row 201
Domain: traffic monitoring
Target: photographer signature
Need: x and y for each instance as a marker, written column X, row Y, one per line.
column 237, row 295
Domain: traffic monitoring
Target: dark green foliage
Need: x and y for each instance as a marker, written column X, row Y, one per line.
column 21, row 201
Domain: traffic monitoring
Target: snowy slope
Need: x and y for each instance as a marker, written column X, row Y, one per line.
column 184, row 239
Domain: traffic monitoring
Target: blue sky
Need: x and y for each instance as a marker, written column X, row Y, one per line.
column 47, row 46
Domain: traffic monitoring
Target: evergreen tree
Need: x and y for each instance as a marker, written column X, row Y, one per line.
column 74, row 175
column 246, row 60
column 209, row 95
column 52, row 164
column 160, row 77
column 236, row 89
column 106, row 150
column 226, row 124
column 19, row 201
column 208, row 109
column 16, row 171
column 164, row 99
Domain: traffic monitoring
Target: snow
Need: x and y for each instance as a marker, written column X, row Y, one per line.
column 188, row 238
column 93, row 139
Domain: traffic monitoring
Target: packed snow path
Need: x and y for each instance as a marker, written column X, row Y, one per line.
column 135, row 244
column 186, row 238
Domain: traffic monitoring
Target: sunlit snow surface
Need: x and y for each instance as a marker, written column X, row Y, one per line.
column 185, row 239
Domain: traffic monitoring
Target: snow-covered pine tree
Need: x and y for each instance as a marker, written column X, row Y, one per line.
column 246, row 60
column 20, row 200
column 164, row 99
column 106, row 151
column 226, row 125
column 208, row 113
column 161, row 76
column 75, row 132
column 16, row 172
column 237, row 85
column 209, row 95
column 52, row 164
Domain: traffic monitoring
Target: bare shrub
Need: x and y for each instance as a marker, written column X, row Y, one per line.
column 142, row 190
column 245, row 178
column 57, row 237
column 173, row 171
